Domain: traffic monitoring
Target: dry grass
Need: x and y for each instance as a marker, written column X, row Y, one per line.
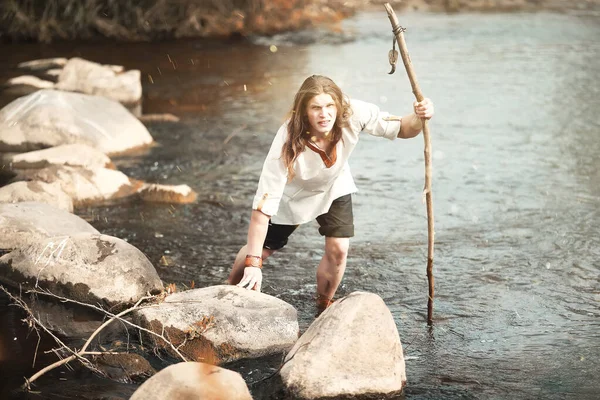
column 140, row 20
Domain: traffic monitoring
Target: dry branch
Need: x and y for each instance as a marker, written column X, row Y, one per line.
column 80, row 354
column 399, row 36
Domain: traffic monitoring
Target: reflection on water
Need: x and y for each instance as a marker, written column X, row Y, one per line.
column 515, row 189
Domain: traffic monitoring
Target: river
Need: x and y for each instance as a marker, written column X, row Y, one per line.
column 516, row 185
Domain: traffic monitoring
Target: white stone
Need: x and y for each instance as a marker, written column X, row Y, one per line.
column 48, row 118
column 246, row 323
column 24, row 223
column 43, row 64
column 80, row 75
column 86, row 267
column 87, row 186
column 37, row 191
column 352, row 349
column 74, row 155
column 193, row 380
column 179, row 194
column 29, row 80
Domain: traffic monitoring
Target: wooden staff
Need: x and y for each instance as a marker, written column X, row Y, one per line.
column 399, row 35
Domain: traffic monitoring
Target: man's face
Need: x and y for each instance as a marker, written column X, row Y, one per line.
column 321, row 112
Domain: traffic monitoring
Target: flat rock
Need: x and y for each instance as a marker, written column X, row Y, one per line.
column 37, row 191
column 48, row 118
column 194, row 380
column 86, row 267
column 223, row 323
column 43, row 64
column 110, row 81
column 86, row 186
column 27, row 222
column 352, row 351
column 74, row 155
column 180, row 194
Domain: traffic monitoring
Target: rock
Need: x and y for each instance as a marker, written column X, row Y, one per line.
column 123, row 367
column 43, row 64
column 351, row 351
column 86, row 186
column 55, row 72
column 86, row 267
column 64, row 319
column 24, row 223
column 30, row 80
column 50, row 118
column 37, row 191
column 180, row 194
column 193, row 380
column 75, row 155
column 159, row 118
column 80, row 75
column 223, row 323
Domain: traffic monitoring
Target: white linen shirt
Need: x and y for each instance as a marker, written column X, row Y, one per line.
column 314, row 187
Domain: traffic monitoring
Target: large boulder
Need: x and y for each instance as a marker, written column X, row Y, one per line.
column 79, row 75
column 193, row 380
column 86, row 186
column 50, row 118
column 36, row 191
column 351, row 351
column 24, row 223
column 222, row 323
column 85, row 267
column 74, row 155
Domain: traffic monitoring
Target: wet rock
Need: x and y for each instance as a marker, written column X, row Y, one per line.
column 351, row 351
column 86, row 186
column 28, row 84
column 124, row 367
column 36, row 191
column 180, row 194
column 79, row 75
column 24, row 223
column 64, row 319
column 43, row 64
column 74, row 155
column 159, row 118
column 222, row 323
column 194, row 380
column 86, row 267
column 50, row 118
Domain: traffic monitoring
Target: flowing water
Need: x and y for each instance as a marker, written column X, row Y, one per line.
column 516, row 185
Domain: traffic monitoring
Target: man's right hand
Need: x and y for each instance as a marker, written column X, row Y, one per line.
column 252, row 279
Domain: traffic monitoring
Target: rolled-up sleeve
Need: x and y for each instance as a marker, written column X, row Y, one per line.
column 372, row 120
column 273, row 177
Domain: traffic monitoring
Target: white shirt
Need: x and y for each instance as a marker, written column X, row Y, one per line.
column 315, row 187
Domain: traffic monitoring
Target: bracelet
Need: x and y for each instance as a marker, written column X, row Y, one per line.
column 253, row 261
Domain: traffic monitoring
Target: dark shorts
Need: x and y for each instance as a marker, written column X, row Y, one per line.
column 337, row 222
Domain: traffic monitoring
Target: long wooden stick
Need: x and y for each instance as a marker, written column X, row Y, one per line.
column 399, row 34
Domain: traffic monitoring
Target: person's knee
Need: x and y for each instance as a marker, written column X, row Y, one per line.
column 336, row 250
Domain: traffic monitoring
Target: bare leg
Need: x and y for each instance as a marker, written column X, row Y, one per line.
column 331, row 269
column 237, row 271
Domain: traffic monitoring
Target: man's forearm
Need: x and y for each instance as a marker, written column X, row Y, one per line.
column 257, row 232
column 411, row 126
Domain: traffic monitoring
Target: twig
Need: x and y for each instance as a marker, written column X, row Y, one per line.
column 82, row 352
column 108, row 313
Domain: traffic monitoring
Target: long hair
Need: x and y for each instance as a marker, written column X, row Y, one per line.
column 298, row 123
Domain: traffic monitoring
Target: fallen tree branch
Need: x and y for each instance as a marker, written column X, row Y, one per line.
column 79, row 354
column 108, row 313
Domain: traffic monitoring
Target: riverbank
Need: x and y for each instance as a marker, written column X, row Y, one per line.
column 475, row 5
column 155, row 20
